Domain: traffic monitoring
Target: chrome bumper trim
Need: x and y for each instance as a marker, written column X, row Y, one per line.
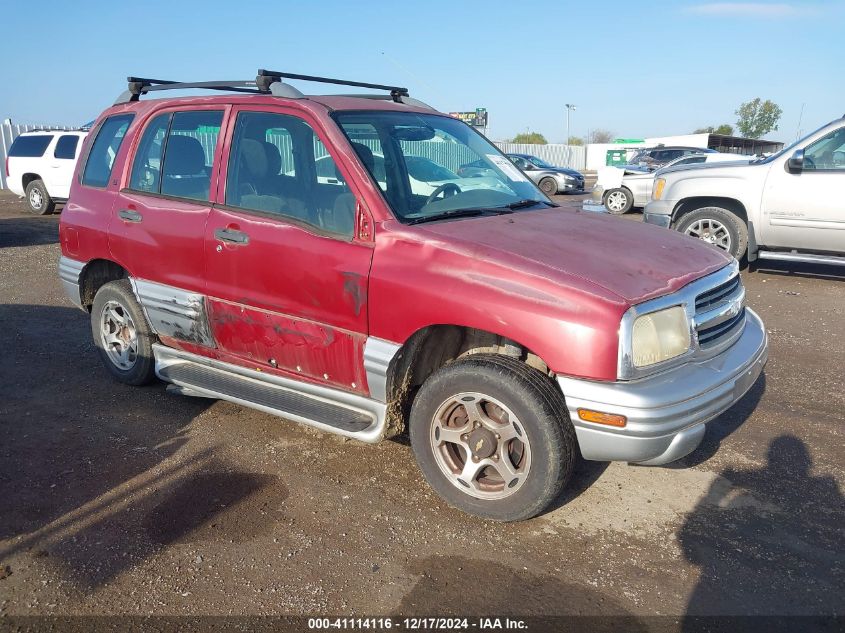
column 665, row 411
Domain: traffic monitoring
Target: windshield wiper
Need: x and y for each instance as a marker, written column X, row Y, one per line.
column 445, row 215
column 521, row 204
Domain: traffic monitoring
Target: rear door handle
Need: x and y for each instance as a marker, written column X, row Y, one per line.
column 231, row 236
column 129, row 215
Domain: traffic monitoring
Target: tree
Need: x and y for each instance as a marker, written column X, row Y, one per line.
column 725, row 129
column 601, row 136
column 531, row 138
column 757, row 118
column 575, row 140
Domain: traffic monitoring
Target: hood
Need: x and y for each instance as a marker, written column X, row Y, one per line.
column 562, row 170
column 631, row 260
column 726, row 167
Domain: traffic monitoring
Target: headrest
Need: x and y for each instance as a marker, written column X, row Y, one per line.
column 365, row 154
column 184, row 156
column 253, row 157
column 274, row 158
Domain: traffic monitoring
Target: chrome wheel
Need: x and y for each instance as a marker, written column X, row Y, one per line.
column 119, row 335
column 711, row 231
column 480, row 446
column 36, row 198
column 616, row 201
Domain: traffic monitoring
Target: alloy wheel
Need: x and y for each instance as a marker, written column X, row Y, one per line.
column 711, row 231
column 119, row 335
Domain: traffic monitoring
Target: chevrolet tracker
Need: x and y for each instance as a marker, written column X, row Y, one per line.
column 273, row 249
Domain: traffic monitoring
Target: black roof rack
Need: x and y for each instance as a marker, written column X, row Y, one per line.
column 266, row 82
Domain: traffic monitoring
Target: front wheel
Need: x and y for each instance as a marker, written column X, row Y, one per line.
column 718, row 227
column 492, row 437
column 548, row 186
column 618, row 201
column 122, row 335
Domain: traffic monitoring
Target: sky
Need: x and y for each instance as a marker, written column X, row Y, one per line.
column 637, row 69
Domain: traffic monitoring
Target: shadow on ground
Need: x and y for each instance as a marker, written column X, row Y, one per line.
column 29, row 231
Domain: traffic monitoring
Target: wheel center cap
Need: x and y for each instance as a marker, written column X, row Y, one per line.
column 482, row 443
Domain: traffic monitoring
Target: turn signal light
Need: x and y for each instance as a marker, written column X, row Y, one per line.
column 598, row 417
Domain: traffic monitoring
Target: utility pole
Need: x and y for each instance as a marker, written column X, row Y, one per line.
column 569, row 108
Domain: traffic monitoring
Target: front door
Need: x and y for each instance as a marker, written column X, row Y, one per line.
column 286, row 276
column 804, row 210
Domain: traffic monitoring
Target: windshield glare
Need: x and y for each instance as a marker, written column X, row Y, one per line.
column 540, row 162
column 428, row 164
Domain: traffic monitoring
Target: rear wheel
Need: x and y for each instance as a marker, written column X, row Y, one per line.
column 492, row 437
column 618, row 201
column 548, row 186
column 37, row 198
column 121, row 333
column 718, row 227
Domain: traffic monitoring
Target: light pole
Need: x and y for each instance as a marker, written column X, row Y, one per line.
column 569, row 108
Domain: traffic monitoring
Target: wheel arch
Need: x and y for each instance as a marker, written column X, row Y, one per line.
column 95, row 275
column 434, row 346
column 688, row 205
column 29, row 177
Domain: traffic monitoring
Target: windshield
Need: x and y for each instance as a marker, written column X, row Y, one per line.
column 429, row 165
column 788, row 148
column 539, row 162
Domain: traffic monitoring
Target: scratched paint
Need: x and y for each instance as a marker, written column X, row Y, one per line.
column 299, row 347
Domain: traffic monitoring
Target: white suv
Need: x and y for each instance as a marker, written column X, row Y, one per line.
column 787, row 206
column 40, row 166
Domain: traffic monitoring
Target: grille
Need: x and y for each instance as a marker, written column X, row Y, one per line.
column 714, row 296
column 713, row 328
column 710, row 336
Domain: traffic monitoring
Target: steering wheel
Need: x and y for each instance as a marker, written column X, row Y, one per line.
column 446, row 186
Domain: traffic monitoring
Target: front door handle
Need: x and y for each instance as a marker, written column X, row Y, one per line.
column 231, row 236
column 130, row 215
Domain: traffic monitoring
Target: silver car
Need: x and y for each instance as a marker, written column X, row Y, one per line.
column 551, row 180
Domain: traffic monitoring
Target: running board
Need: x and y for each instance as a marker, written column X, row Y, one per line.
column 806, row 258
column 322, row 407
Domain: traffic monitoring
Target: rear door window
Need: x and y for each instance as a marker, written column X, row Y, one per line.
column 100, row 161
column 30, row 146
column 66, row 146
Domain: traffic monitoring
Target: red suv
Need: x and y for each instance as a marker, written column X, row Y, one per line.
column 271, row 249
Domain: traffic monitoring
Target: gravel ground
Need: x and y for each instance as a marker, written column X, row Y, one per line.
column 119, row 500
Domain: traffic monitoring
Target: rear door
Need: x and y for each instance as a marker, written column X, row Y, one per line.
column 158, row 222
column 62, row 160
column 286, row 273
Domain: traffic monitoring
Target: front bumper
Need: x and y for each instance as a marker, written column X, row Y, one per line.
column 659, row 212
column 666, row 413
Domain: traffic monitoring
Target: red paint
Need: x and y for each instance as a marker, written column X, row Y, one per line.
column 555, row 281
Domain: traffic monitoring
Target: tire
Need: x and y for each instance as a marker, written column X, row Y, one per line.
column 527, row 408
column 717, row 226
column 548, row 186
column 618, row 201
column 38, row 200
column 115, row 308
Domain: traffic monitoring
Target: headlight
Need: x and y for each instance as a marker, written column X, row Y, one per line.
column 659, row 336
column 658, row 188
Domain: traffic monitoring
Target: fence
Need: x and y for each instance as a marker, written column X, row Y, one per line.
column 574, row 156
column 9, row 132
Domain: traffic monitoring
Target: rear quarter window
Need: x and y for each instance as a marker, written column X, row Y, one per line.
column 66, row 146
column 104, row 150
column 30, row 146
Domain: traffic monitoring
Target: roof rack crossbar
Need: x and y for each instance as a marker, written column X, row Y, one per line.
column 141, row 85
column 396, row 92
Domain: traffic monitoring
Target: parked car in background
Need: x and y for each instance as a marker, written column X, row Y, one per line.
column 40, row 165
column 551, row 180
column 489, row 323
column 653, row 158
column 787, row 206
column 621, row 189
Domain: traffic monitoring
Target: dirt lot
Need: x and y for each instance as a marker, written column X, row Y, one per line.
column 118, row 500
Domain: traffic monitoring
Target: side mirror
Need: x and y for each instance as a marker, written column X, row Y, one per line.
column 796, row 161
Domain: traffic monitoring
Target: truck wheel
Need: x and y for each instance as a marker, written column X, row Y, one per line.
column 37, row 198
column 717, row 226
column 492, row 437
column 548, row 186
column 122, row 335
column 618, row 201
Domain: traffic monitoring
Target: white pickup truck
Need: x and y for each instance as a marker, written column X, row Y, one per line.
column 787, row 206
column 40, row 167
